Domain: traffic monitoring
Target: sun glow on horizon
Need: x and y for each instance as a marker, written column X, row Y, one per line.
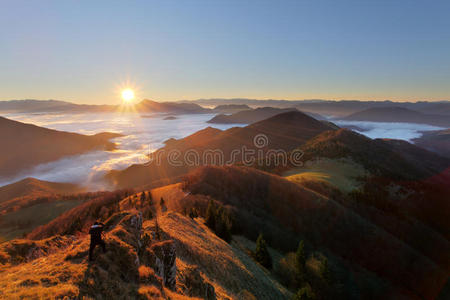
column 127, row 95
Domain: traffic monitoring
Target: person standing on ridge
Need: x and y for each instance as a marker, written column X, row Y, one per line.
column 96, row 231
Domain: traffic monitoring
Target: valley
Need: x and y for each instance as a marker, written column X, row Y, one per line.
column 355, row 203
column 225, row 150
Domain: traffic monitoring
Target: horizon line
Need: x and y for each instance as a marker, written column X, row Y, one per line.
column 118, row 102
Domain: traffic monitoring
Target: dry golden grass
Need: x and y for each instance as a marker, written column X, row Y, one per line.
column 340, row 173
column 65, row 272
column 47, row 277
column 117, row 274
column 227, row 269
column 224, row 265
column 171, row 194
column 22, row 250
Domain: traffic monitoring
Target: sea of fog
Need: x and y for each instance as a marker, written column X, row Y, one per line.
column 143, row 135
column 400, row 131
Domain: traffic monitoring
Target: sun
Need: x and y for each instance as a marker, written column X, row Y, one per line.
column 127, row 95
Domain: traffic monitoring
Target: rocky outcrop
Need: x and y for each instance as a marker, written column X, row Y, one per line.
column 133, row 257
column 195, row 285
column 159, row 256
column 162, row 257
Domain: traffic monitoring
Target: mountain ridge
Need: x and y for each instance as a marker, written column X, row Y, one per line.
column 336, row 108
column 30, row 187
column 399, row 114
column 285, row 131
column 248, row 116
column 29, row 145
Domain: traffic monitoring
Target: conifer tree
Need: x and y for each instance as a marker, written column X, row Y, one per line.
column 300, row 262
column 262, row 254
column 210, row 218
column 324, row 271
column 149, row 197
column 223, row 225
column 149, row 214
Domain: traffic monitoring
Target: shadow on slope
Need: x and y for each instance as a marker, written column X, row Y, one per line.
column 324, row 223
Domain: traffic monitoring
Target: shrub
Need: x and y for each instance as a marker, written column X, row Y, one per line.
column 286, row 271
column 193, row 213
column 305, row 293
column 324, row 271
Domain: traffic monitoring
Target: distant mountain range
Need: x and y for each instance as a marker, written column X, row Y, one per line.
column 30, row 106
column 230, row 108
column 25, row 145
column 149, row 106
column 144, row 106
column 399, row 114
column 323, row 107
column 338, row 108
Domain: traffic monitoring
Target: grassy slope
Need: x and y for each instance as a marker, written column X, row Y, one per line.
column 341, row 173
column 388, row 158
column 22, row 207
column 31, row 187
column 17, row 223
column 62, row 269
column 327, row 223
column 197, row 245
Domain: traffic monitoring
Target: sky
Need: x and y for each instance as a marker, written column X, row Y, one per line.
column 87, row 51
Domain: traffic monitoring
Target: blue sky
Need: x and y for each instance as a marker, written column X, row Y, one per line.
column 85, row 51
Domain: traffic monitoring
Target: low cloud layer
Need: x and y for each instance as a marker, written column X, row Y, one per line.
column 400, row 131
column 143, row 135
